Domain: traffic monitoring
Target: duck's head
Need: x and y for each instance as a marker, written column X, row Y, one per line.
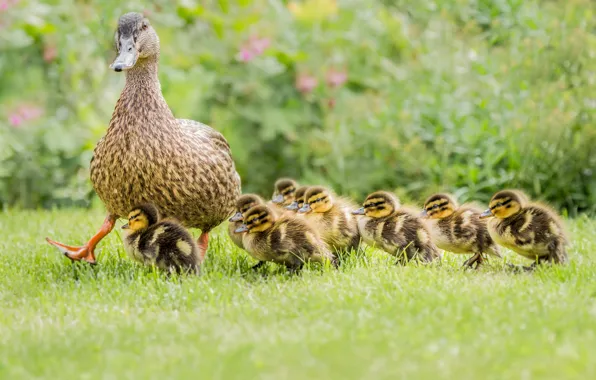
column 284, row 190
column 243, row 204
column 257, row 219
column 136, row 40
column 504, row 204
column 439, row 206
column 378, row 205
column 141, row 217
column 298, row 199
column 316, row 199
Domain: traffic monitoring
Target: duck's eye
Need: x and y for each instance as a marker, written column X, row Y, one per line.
column 435, row 207
column 144, row 26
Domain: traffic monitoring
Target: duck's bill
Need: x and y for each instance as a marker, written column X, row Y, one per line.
column 486, row 214
column 360, row 211
column 277, row 198
column 126, row 227
column 240, row 229
column 292, row 206
column 236, row 217
column 424, row 214
column 127, row 57
column 304, row 209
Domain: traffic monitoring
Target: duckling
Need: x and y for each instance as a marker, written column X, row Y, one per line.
column 298, row 199
column 243, row 204
column 338, row 227
column 396, row 230
column 284, row 191
column 458, row 229
column 164, row 243
column 286, row 240
column 531, row 230
column 182, row 166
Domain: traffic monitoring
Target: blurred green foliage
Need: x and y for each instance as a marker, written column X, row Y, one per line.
column 468, row 96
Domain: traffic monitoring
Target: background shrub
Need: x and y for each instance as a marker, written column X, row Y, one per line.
column 467, row 96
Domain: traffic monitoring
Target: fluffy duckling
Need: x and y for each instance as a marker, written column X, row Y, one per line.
column 531, row 230
column 284, row 191
column 298, row 199
column 338, row 226
column 165, row 243
column 244, row 203
column 458, row 229
column 396, row 230
column 284, row 240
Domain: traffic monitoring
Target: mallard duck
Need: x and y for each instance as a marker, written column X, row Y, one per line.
column 165, row 244
column 458, row 229
column 286, row 240
column 531, row 230
column 284, row 190
column 183, row 167
column 396, row 230
column 332, row 216
column 298, row 199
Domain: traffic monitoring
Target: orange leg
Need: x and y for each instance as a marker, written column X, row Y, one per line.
column 203, row 244
column 87, row 251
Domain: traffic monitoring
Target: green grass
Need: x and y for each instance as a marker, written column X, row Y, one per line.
column 371, row 319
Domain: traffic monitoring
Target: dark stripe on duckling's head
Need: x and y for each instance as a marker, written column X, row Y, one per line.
column 258, row 218
column 439, row 206
column 148, row 209
column 380, row 204
column 285, row 186
column 248, row 201
column 506, row 203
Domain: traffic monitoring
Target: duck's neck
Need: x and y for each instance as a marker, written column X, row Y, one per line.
column 141, row 102
column 143, row 76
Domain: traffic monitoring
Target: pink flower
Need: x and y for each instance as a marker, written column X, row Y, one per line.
column 336, row 78
column 306, row 83
column 5, row 4
column 252, row 48
column 15, row 120
column 259, row 45
column 245, row 55
column 30, row 112
column 23, row 114
column 49, row 53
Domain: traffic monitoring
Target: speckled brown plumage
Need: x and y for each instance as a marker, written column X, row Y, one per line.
column 147, row 155
column 394, row 229
column 286, row 240
column 165, row 244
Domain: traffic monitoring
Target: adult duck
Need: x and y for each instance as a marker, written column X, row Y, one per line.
column 183, row 167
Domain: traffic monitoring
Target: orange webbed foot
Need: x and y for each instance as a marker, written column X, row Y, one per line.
column 75, row 253
column 87, row 251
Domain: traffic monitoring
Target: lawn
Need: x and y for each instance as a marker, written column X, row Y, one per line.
column 370, row 319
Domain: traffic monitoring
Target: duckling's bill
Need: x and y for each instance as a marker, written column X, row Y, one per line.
column 486, row 214
column 236, row 217
column 292, row 206
column 306, row 208
column 359, row 211
column 277, row 198
column 242, row 228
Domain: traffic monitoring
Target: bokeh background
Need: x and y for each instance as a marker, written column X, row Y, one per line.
column 467, row 96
